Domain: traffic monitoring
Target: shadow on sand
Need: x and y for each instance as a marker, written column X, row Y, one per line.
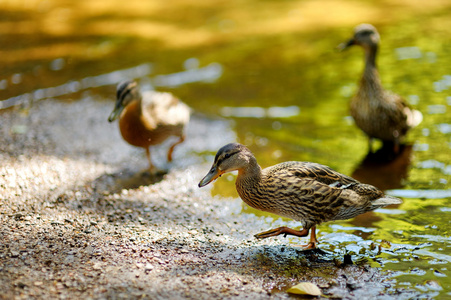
column 127, row 179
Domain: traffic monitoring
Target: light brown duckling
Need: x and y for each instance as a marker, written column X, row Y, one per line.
column 306, row 192
column 149, row 118
column 379, row 113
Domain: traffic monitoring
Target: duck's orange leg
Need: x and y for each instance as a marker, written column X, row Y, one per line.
column 151, row 167
column 182, row 138
column 288, row 231
column 313, row 241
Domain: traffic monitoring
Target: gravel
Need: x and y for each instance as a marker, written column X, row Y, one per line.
column 81, row 218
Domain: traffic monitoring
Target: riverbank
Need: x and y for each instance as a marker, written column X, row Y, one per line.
column 81, row 219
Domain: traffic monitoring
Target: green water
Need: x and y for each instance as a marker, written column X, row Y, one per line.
column 266, row 64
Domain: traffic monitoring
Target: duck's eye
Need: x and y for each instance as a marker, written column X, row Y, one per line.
column 366, row 32
column 227, row 155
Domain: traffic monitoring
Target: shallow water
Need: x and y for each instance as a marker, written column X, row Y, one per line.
column 272, row 68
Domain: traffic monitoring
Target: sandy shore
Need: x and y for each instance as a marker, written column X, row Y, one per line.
column 79, row 219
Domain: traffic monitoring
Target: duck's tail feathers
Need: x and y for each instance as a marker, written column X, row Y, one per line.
column 414, row 117
column 386, row 200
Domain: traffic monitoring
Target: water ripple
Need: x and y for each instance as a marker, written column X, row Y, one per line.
column 261, row 112
column 426, row 194
column 75, row 86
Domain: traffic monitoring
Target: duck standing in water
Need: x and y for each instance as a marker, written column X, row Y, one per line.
column 149, row 118
column 306, row 192
column 379, row 113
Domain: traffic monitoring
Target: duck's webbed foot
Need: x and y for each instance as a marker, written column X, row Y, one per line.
column 308, row 246
column 313, row 241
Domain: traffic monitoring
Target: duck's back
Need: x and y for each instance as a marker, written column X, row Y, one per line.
column 164, row 109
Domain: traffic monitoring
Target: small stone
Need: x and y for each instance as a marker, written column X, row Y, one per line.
column 148, row 267
column 353, row 286
column 69, row 259
column 139, row 265
column 333, row 282
column 324, row 285
column 19, row 216
column 347, row 260
column 15, row 254
column 89, row 249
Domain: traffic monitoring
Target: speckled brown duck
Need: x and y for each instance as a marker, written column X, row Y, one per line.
column 306, row 192
column 379, row 113
column 149, row 118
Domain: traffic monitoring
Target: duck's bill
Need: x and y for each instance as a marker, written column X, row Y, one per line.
column 115, row 113
column 345, row 45
column 211, row 176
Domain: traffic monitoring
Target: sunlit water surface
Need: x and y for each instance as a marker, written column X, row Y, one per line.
column 286, row 92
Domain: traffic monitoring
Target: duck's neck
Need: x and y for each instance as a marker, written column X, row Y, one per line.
column 370, row 80
column 370, row 56
column 249, row 176
column 133, row 108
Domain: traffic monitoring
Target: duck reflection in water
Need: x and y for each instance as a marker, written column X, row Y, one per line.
column 384, row 168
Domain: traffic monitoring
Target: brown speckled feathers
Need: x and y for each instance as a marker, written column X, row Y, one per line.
column 307, row 192
column 379, row 113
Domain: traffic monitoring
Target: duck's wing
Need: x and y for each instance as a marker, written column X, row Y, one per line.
column 324, row 175
column 322, row 194
column 308, row 170
column 165, row 109
column 311, row 193
column 401, row 114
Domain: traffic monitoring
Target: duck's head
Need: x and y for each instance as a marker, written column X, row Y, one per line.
column 365, row 35
column 229, row 158
column 126, row 92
